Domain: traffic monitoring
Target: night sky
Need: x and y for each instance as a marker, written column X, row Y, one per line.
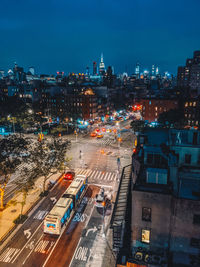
column 63, row 35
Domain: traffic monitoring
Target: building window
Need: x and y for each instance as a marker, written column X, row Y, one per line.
column 146, row 236
column 146, row 214
column 195, row 242
column 156, row 108
column 187, row 158
column 196, row 219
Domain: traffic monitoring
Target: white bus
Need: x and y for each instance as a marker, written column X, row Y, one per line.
column 63, row 210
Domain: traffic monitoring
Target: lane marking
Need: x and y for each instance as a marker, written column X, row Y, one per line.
column 105, row 177
column 100, row 185
column 81, row 237
column 9, row 254
column 100, row 173
column 32, row 250
column 93, row 174
column 27, row 242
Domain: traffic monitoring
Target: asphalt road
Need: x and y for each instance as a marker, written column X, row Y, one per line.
column 83, row 241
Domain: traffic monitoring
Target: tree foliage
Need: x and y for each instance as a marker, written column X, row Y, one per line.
column 13, row 150
column 137, row 125
column 47, row 157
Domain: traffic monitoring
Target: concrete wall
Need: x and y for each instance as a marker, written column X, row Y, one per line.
column 160, row 205
column 183, row 228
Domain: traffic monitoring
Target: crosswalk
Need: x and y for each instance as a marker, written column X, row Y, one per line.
column 95, row 175
column 102, row 141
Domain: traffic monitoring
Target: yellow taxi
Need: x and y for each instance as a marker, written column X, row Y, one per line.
column 100, row 136
column 93, row 134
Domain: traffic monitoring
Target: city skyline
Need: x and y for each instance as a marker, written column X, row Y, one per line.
column 69, row 37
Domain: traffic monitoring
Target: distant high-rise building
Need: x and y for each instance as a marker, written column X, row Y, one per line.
column 87, row 71
column 153, row 70
column 32, row 70
column 188, row 77
column 137, row 70
column 94, row 68
column 102, row 66
column 2, row 73
column 157, row 71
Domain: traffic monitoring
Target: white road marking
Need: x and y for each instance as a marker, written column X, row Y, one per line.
column 27, row 243
column 113, row 176
column 100, row 173
column 81, row 254
column 94, row 173
column 32, row 250
column 105, row 177
column 42, row 246
column 109, row 176
column 40, row 214
column 80, row 238
column 100, row 185
column 9, row 254
column 89, row 172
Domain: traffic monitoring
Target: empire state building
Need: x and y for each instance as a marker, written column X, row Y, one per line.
column 101, row 66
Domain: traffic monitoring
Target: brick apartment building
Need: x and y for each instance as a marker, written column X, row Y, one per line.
column 152, row 108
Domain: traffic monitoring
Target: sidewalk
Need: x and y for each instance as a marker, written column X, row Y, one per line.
column 13, row 208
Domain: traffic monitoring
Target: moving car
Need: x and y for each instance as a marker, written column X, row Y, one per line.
column 69, row 175
column 100, row 136
column 93, row 134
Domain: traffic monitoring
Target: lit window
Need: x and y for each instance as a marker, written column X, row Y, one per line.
column 156, row 108
column 156, row 114
column 194, row 104
column 190, row 104
column 145, row 236
column 186, row 104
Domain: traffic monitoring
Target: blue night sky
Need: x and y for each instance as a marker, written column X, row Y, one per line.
column 63, row 35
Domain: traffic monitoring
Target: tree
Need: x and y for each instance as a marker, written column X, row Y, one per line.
column 47, row 157
column 13, row 150
column 25, row 183
column 137, row 125
column 172, row 118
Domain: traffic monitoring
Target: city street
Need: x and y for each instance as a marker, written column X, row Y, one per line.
column 83, row 241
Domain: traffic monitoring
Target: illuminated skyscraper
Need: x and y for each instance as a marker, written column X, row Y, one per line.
column 157, row 70
column 153, row 70
column 137, row 70
column 32, row 70
column 102, row 66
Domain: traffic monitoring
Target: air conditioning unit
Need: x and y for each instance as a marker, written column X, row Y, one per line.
column 138, row 256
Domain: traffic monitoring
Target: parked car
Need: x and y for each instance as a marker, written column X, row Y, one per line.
column 100, row 199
